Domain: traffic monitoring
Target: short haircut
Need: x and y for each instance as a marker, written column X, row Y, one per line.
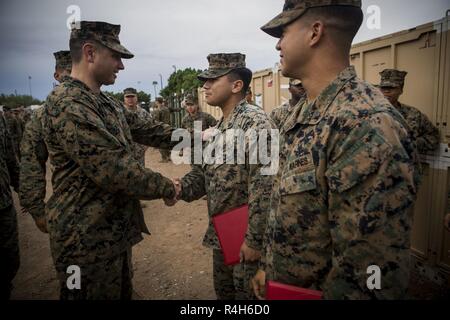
column 243, row 74
column 76, row 46
column 160, row 100
column 342, row 22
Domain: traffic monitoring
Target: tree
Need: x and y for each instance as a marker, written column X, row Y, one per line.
column 182, row 81
column 18, row 100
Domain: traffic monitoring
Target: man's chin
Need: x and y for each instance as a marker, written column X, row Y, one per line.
column 210, row 102
column 109, row 82
column 285, row 71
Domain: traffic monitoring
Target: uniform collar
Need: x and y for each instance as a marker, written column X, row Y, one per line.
column 313, row 112
column 102, row 96
column 234, row 115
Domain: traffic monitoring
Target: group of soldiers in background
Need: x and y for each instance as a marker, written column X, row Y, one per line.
column 340, row 201
column 16, row 119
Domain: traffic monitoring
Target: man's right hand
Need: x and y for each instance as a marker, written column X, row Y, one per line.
column 177, row 185
column 259, row 284
column 41, row 223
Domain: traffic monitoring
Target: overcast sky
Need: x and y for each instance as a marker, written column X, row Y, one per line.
column 163, row 34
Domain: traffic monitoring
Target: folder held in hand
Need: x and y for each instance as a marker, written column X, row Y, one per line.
column 231, row 227
column 279, row 291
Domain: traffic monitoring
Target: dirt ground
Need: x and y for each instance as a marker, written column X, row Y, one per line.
column 169, row 264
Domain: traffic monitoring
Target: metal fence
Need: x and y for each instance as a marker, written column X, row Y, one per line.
column 177, row 112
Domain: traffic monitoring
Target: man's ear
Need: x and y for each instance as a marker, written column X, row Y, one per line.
column 89, row 51
column 316, row 32
column 56, row 76
column 238, row 85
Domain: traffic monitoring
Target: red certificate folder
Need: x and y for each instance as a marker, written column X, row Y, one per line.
column 279, row 291
column 231, row 227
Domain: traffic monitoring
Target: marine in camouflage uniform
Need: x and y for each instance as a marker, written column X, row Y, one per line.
column 206, row 119
column 9, row 241
column 347, row 178
column 229, row 186
column 14, row 125
column 162, row 114
column 424, row 132
column 193, row 115
column 94, row 215
column 132, row 105
column 279, row 115
column 35, row 154
column 249, row 97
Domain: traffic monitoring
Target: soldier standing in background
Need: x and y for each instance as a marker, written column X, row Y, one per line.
column 195, row 114
column 35, row 154
column 14, row 126
column 162, row 114
column 9, row 240
column 249, row 97
column 347, row 177
column 131, row 102
column 279, row 115
column 424, row 132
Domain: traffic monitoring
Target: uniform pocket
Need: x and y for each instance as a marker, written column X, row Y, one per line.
column 363, row 159
column 298, row 182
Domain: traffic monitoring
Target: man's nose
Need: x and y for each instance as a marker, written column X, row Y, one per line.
column 121, row 66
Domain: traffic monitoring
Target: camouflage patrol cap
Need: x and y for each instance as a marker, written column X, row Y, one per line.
column 294, row 9
column 221, row 64
column 105, row 33
column 190, row 99
column 391, row 78
column 130, row 91
column 63, row 60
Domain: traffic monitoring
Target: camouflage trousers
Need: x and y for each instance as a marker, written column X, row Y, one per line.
column 110, row 279
column 232, row 282
column 9, row 250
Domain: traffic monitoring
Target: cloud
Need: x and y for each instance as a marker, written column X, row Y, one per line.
column 162, row 34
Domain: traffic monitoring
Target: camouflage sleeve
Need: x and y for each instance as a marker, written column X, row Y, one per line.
column 156, row 115
column 103, row 158
column 12, row 161
column 150, row 132
column 428, row 138
column 372, row 184
column 193, row 184
column 32, row 170
column 259, row 190
column 275, row 116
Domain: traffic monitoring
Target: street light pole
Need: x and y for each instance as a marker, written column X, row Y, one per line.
column 160, row 79
column 155, row 83
column 29, row 85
